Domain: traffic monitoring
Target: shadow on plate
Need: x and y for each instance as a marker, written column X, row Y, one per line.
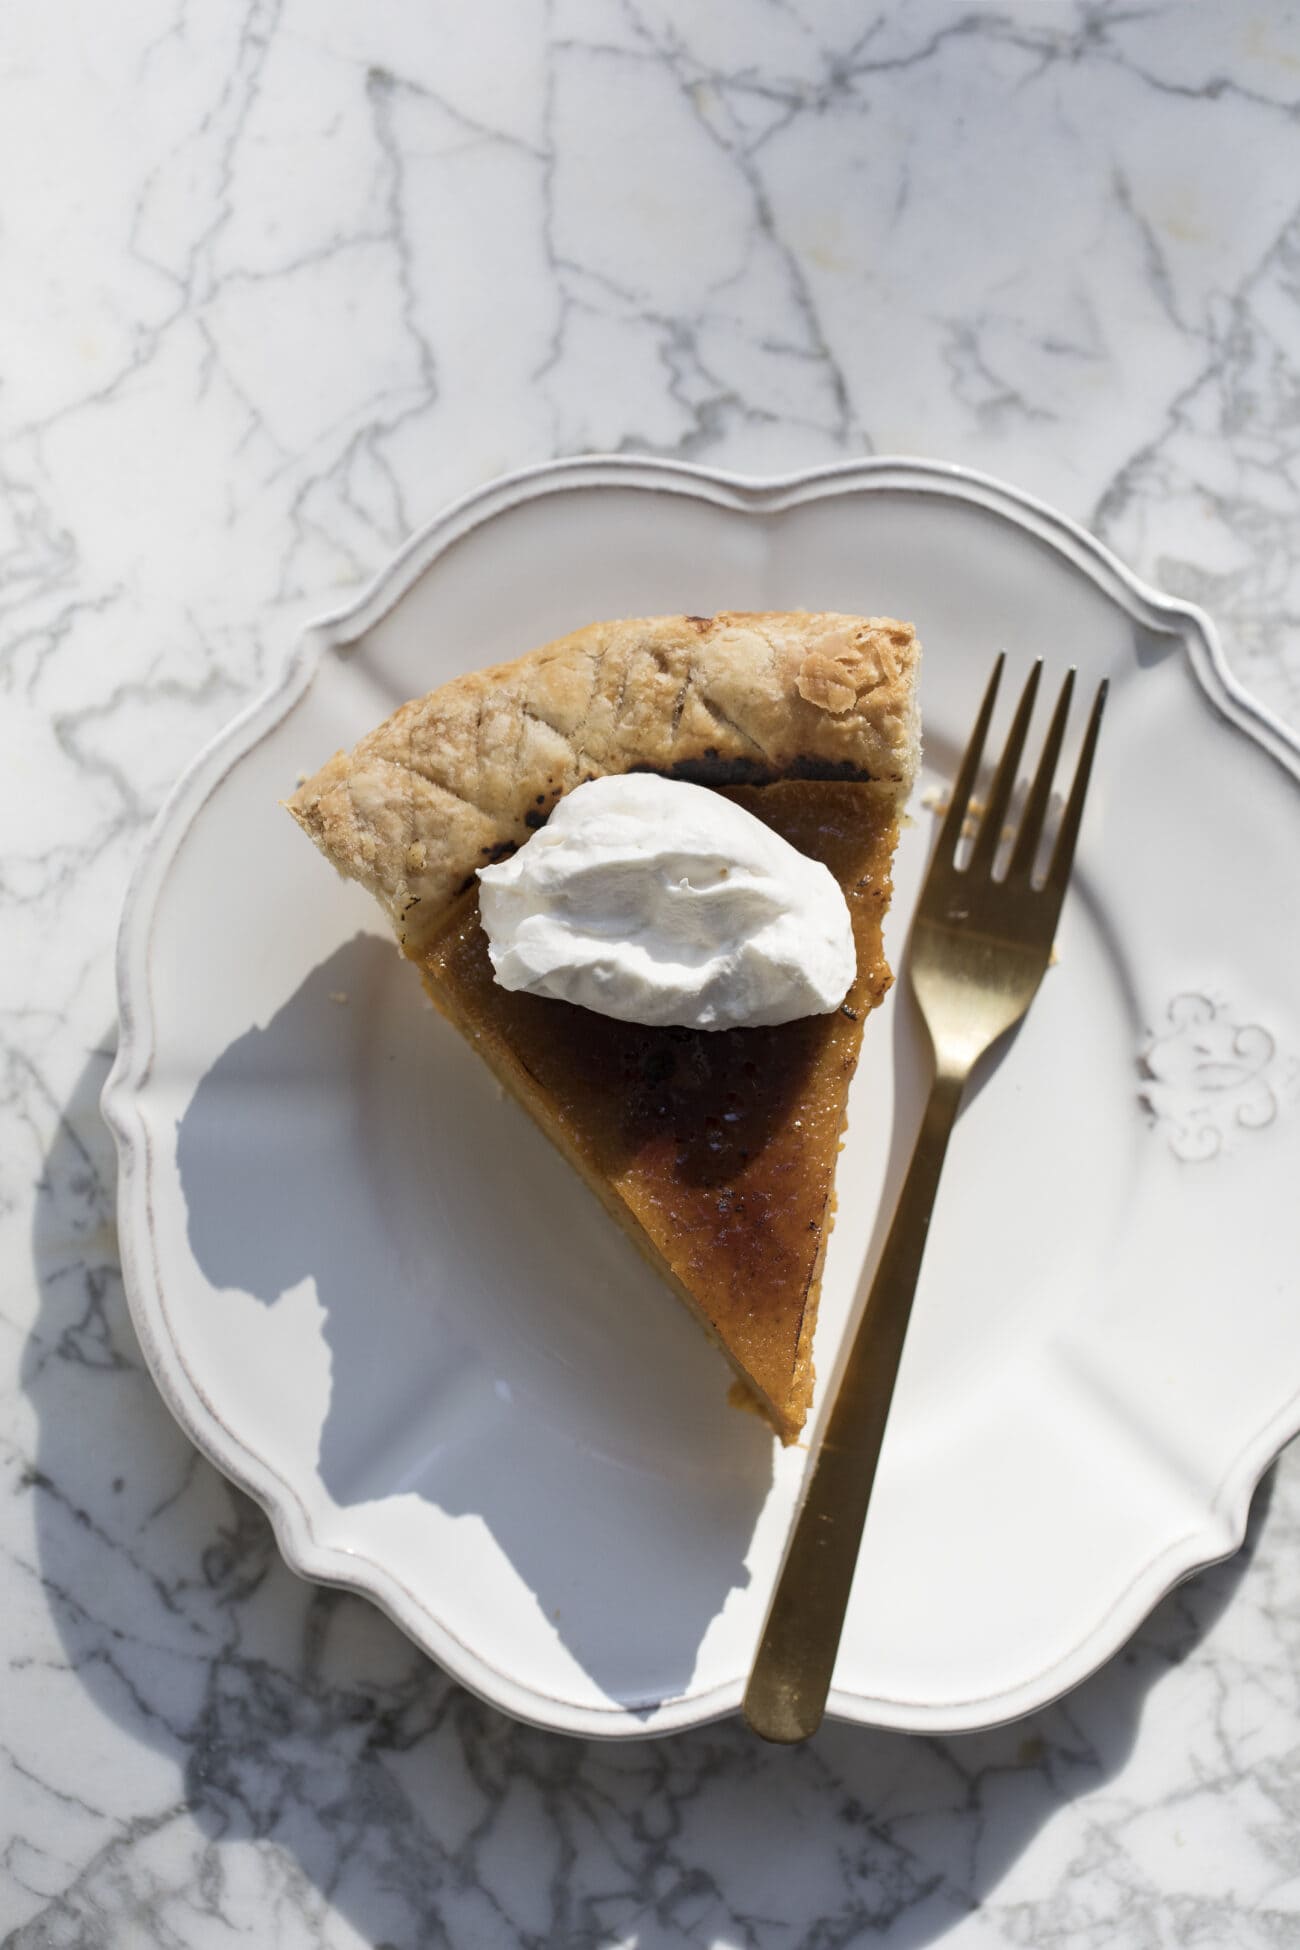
column 301, row 1720
column 496, row 1347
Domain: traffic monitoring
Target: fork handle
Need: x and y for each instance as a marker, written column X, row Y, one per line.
column 791, row 1675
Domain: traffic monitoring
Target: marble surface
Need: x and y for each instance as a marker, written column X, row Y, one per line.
column 276, row 280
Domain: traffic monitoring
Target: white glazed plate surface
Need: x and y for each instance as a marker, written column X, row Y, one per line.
column 377, row 1299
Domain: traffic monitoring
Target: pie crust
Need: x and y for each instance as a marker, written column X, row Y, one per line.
column 460, row 777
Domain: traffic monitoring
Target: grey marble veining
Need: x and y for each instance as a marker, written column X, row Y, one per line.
column 277, row 280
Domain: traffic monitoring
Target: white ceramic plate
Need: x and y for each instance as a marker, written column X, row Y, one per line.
column 376, row 1298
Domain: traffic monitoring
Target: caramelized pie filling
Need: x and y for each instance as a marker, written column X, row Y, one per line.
column 721, row 1145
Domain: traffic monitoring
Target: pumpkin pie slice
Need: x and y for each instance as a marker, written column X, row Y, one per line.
column 714, row 1149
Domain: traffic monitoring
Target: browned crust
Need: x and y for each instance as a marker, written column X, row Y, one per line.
column 457, row 778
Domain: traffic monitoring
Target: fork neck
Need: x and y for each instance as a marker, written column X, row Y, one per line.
column 951, row 1069
column 942, row 1104
column 911, row 1221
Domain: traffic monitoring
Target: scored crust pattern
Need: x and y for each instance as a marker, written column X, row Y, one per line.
column 461, row 776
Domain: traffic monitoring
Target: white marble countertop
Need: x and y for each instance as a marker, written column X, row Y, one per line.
column 276, row 281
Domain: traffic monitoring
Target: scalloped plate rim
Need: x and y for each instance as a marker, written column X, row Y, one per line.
column 1226, row 1515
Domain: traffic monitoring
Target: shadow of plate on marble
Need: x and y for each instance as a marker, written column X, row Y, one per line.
column 476, row 1369
column 300, row 1718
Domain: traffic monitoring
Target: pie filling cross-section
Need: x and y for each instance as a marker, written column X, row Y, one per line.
column 714, row 1149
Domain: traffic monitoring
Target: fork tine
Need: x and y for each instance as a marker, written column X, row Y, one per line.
column 1004, row 779
column 1031, row 823
column 1063, row 852
column 963, row 784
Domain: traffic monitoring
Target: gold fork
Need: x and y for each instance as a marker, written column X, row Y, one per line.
column 978, row 951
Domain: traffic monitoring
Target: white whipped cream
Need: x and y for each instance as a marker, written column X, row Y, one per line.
column 659, row 902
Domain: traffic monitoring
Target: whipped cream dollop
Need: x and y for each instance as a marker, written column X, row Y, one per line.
column 663, row 903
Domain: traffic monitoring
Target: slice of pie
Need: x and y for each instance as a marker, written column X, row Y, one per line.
column 714, row 1149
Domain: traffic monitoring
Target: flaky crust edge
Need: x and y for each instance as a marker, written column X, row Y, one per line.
column 461, row 776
